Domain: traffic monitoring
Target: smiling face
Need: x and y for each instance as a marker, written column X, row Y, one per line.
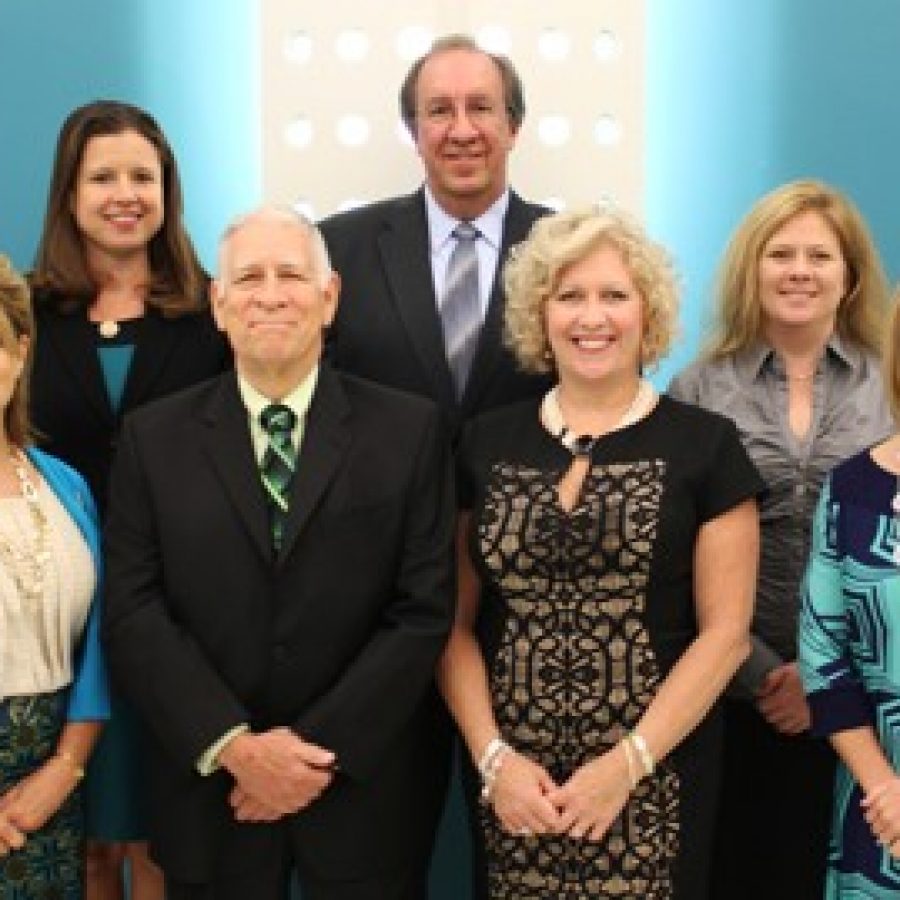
column 271, row 301
column 462, row 130
column 117, row 202
column 594, row 321
column 802, row 275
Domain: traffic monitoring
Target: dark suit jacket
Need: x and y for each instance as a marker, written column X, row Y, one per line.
column 387, row 326
column 337, row 638
column 69, row 404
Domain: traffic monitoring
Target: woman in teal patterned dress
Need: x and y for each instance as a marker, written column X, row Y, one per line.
column 849, row 629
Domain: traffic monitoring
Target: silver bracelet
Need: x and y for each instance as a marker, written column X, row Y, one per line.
column 489, row 766
column 648, row 764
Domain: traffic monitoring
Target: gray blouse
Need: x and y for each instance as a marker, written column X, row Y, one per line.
column 850, row 412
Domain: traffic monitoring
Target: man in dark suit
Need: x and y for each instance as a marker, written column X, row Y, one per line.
column 280, row 585
column 463, row 108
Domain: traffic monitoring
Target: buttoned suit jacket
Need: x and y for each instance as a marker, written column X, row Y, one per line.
column 387, row 326
column 336, row 638
column 69, row 403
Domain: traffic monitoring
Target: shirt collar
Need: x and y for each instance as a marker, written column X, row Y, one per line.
column 441, row 223
column 297, row 399
column 751, row 361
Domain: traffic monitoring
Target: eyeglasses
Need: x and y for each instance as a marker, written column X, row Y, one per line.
column 441, row 113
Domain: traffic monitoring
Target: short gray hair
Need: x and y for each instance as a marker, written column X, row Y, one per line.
column 280, row 215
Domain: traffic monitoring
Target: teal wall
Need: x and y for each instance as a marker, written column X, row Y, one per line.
column 189, row 63
column 740, row 97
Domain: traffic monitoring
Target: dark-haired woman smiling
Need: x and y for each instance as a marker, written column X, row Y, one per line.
column 123, row 319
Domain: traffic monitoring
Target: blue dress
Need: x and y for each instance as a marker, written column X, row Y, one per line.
column 849, row 633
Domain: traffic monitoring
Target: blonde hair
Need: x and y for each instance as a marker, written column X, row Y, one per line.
column 533, row 271
column 891, row 357
column 17, row 320
column 860, row 315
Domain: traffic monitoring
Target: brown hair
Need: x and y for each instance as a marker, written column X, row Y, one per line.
column 178, row 281
column 860, row 315
column 16, row 320
column 513, row 93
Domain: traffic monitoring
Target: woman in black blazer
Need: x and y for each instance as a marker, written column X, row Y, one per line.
column 122, row 319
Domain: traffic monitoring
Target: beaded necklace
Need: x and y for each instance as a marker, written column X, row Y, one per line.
column 26, row 561
column 581, row 445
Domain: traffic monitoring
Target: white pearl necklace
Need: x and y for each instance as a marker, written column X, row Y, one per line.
column 27, row 561
column 581, row 445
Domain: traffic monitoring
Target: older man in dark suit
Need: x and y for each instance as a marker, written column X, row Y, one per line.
column 408, row 263
column 422, row 299
column 279, row 588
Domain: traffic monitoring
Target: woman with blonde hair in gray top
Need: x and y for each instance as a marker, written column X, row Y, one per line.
column 794, row 362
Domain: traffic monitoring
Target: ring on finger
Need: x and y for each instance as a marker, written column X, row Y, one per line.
column 524, row 831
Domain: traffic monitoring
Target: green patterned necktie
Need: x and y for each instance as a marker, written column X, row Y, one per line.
column 277, row 467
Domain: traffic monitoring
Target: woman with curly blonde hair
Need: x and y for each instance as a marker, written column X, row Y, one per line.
column 605, row 581
column 794, row 361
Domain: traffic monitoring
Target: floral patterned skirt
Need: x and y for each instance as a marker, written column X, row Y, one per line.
column 50, row 863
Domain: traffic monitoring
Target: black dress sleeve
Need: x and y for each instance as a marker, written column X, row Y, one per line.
column 729, row 476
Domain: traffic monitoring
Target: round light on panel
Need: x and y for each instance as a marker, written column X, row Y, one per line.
column 299, row 132
column 413, row 41
column 304, row 207
column 557, row 204
column 353, row 131
column 607, row 131
column 350, row 203
column 352, row 45
column 494, row 39
column 554, row 44
column 403, row 134
column 554, row 131
column 607, row 46
column 298, row 47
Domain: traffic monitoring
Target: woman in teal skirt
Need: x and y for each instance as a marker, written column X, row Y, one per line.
column 53, row 696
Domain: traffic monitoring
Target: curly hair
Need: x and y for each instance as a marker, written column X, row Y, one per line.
column 861, row 313
column 535, row 266
column 16, row 321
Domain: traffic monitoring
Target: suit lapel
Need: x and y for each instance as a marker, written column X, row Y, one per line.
column 516, row 224
column 403, row 245
column 227, row 443
column 325, row 441
column 73, row 339
column 155, row 343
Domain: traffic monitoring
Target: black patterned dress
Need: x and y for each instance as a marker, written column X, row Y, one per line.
column 583, row 614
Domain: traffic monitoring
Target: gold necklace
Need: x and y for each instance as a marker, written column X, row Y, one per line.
column 108, row 328
column 27, row 561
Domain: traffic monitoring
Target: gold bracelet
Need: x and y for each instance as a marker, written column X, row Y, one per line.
column 67, row 757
